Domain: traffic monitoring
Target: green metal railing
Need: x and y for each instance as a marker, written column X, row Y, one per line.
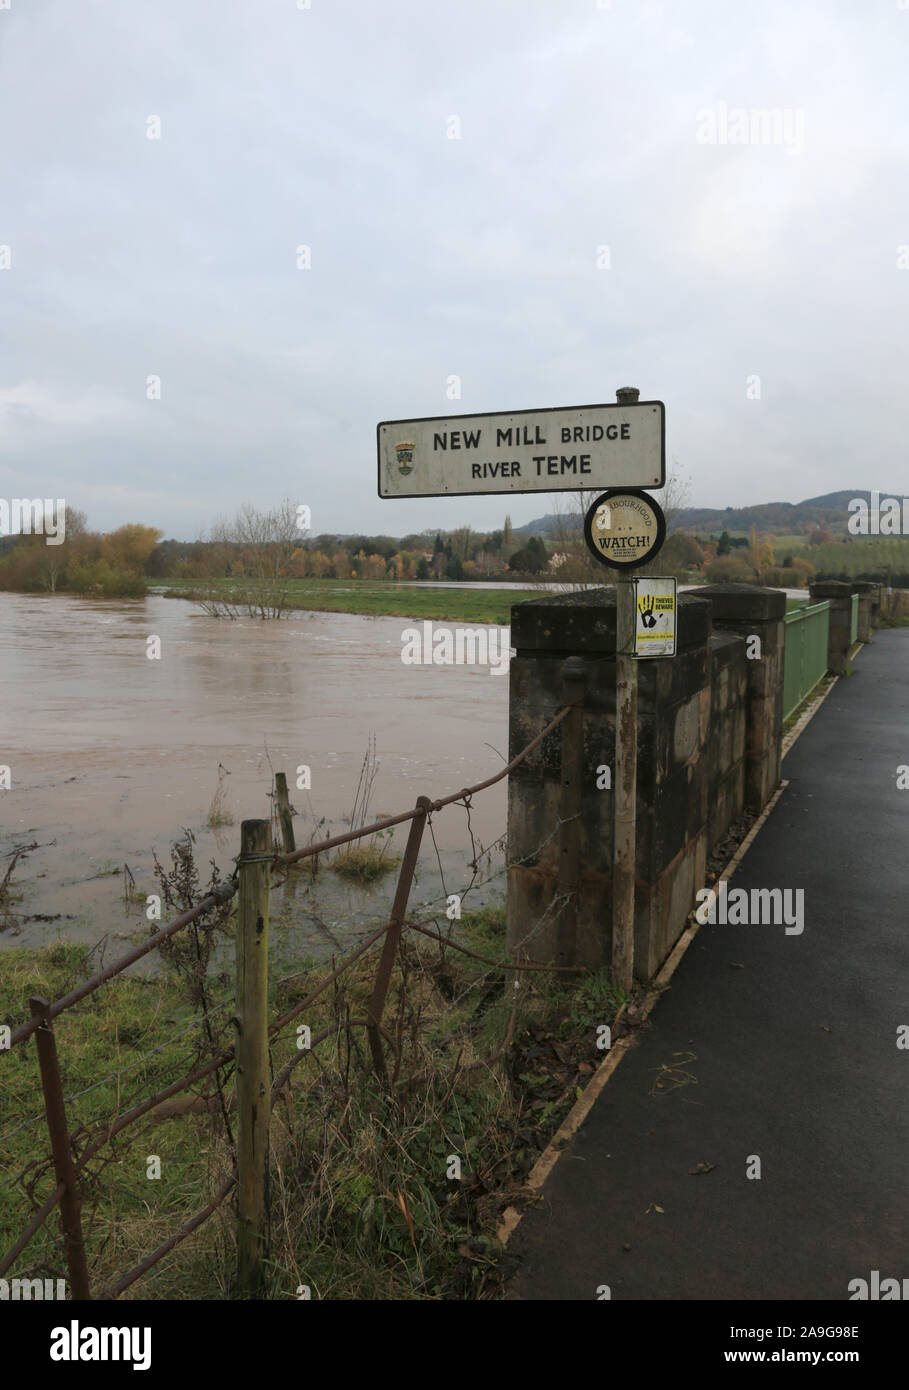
column 805, row 653
column 853, row 629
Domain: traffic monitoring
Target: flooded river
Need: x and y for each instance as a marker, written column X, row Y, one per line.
column 114, row 755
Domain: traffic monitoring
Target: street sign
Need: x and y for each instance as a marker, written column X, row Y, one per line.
column 624, row 528
column 655, row 607
column 551, row 450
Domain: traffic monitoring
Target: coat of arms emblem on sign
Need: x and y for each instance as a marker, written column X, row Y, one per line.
column 405, row 457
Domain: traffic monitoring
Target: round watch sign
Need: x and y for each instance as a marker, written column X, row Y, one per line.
column 624, row 528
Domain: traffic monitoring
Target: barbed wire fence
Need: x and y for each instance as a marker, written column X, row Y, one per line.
column 79, row 1156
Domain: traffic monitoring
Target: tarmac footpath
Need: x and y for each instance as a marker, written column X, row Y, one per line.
column 775, row 1046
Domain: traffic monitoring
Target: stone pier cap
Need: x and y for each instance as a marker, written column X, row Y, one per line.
column 585, row 622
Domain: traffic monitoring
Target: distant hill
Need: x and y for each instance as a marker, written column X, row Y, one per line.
column 550, row 524
column 829, row 512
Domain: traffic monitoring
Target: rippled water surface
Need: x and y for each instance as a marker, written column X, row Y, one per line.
column 113, row 755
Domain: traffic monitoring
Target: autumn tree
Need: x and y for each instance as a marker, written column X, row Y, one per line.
column 373, row 567
column 760, row 553
column 680, row 553
column 130, row 547
column 805, row 570
column 729, row 569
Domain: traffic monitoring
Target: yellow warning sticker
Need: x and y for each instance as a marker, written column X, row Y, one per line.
column 655, row 617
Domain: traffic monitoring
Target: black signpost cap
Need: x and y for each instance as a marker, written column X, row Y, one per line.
column 653, row 506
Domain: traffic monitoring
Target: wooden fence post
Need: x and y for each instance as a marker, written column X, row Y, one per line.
column 60, row 1147
column 393, row 936
column 284, row 813
column 253, row 1090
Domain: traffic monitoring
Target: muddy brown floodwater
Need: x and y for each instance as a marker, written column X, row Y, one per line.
column 113, row 756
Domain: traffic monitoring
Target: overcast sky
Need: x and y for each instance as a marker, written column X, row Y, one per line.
column 581, row 128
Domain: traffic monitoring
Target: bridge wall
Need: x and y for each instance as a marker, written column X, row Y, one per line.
column 709, row 730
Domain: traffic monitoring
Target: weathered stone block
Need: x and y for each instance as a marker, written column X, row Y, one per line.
column 839, row 639
column 701, row 716
column 751, row 611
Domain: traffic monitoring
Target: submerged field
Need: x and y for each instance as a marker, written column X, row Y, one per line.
column 124, row 755
column 383, row 598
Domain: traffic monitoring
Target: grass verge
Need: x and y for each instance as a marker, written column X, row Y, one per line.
column 374, row 1194
column 813, row 696
column 391, row 600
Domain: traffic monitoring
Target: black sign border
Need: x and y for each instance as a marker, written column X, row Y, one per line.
column 642, row 496
column 511, row 491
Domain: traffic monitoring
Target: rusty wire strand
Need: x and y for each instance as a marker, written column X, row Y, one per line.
column 121, row 1071
column 277, row 1026
column 115, row 1290
column 226, row 890
column 33, row 1226
column 220, row 895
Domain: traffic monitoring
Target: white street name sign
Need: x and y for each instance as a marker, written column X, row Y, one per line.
column 558, row 450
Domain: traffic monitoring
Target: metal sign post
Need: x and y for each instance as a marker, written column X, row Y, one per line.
column 626, row 781
column 625, row 528
column 620, row 447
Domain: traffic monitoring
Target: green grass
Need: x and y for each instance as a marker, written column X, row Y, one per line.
column 99, row 1041
column 784, row 542
column 387, row 598
column 813, row 695
column 854, row 555
column 363, row 1205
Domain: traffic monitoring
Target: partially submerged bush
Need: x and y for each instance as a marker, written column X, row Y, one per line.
column 364, row 863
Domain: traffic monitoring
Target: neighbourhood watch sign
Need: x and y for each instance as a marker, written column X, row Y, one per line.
column 624, row 528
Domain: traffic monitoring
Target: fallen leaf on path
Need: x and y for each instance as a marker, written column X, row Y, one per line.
column 702, row 1168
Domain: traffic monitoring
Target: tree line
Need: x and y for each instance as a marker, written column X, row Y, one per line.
column 87, row 562
column 262, row 553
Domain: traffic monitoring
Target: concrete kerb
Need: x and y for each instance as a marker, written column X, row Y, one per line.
column 578, row 1113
